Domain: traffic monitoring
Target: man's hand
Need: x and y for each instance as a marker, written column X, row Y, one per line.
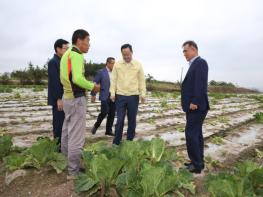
column 193, row 106
column 96, row 88
column 93, row 99
column 112, row 98
column 60, row 105
column 142, row 100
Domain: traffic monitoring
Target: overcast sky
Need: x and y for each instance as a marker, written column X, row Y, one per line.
column 229, row 34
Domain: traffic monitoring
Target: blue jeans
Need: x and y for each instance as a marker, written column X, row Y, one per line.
column 125, row 104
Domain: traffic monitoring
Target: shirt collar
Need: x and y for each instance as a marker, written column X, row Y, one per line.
column 193, row 59
column 56, row 56
column 76, row 48
column 108, row 69
column 131, row 62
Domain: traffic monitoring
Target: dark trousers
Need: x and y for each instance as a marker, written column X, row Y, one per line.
column 125, row 104
column 107, row 108
column 58, row 119
column 194, row 137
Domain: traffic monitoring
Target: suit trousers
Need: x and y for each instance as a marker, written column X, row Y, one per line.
column 194, row 137
column 58, row 119
column 129, row 105
column 107, row 108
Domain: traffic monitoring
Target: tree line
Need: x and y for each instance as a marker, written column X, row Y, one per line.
column 37, row 75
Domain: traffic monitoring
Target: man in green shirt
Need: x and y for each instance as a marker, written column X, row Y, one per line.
column 75, row 85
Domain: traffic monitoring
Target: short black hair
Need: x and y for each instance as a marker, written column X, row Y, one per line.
column 191, row 43
column 109, row 59
column 79, row 34
column 125, row 46
column 59, row 44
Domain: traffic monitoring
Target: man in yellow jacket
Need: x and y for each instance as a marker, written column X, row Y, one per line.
column 127, row 87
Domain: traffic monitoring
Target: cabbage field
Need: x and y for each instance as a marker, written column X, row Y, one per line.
column 152, row 165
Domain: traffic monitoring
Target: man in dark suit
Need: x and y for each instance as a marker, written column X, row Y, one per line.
column 107, row 107
column 55, row 89
column 195, row 104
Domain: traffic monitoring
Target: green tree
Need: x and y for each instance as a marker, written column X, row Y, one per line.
column 149, row 78
column 5, row 78
column 92, row 68
column 31, row 75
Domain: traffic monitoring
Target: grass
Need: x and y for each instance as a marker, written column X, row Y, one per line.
column 223, row 119
column 158, row 111
column 214, row 97
column 23, row 119
column 257, row 97
column 5, row 89
column 164, row 103
column 259, row 117
column 259, row 154
column 213, row 102
column 219, row 96
column 17, row 96
column 166, row 106
column 212, row 163
column 217, row 140
column 38, row 89
column 158, row 94
column 172, row 106
column 3, row 130
column 162, row 86
column 212, row 122
column 10, row 87
column 161, row 94
column 150, row 121
column 176, row 94
column 180, row 129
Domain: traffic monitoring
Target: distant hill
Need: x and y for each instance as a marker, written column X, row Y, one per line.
column 214, row 86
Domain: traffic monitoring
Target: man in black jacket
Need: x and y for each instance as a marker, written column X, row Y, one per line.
column 55, row 89
column 195, row 104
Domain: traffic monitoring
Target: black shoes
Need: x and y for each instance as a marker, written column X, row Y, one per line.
column 109, row 134
column 193, row 169
column 187, row 164
column 93, row 130
column 81, row 169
